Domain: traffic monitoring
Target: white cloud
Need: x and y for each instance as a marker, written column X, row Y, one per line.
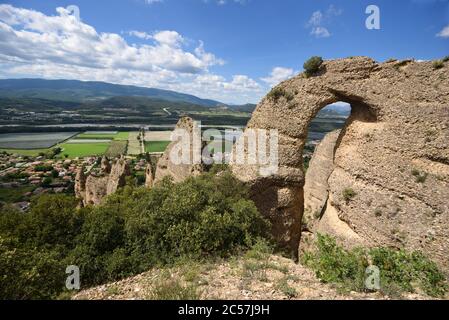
column 140, row 34
column 153, row 1
column 278, row 75
column 169, row 38
column 33, row 44
column 320, row 32
column 444, row 33
column 165, row 37
column 318, row 21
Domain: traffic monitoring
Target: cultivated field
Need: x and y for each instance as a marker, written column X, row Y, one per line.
column 134, row 147
column 96, row 143
column 87, row 141
column 27, row 153
column 156, row 146
column 74, row 150
column 158, row 135
column 29, row 141
column 98, row 135
column 117, row 148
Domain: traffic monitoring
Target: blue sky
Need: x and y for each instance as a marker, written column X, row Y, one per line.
column 230, row 50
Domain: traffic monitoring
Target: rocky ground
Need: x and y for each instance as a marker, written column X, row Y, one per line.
column 271, row 278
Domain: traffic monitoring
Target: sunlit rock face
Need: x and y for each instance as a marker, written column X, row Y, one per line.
column 93, row 189
column 392, row 157
column 168, row 166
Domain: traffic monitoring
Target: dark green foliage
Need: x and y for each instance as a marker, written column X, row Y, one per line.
column 400, row 270
column 445, row 59
column 46, row 182
column 56, row 151
column 27, row 273
column 408, row 270
column 348, row 194
column 134, row 230
column 420, row 177
column 43, row 168
column 333, row 264
column 312, row 65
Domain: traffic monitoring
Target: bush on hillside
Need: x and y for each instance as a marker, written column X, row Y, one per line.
column 134, row 230
column 312, row 65
column 400, row 271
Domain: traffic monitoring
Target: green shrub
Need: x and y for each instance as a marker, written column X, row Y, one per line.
column 399, row 270
column 43, row 168
column 420, row 177
column 29, row 273
column 286, row 289
column 201, row 216
column 445, row 59
column 348, row 194
column 166, row 288
column 134, row 230
column 438, row 64
column 333, row 264
column 313, row 65
column 276, row 93
column 408, row 270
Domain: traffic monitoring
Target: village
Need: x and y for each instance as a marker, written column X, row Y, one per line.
column 23, row 177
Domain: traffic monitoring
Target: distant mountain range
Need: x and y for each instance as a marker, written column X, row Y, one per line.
column 85, row 91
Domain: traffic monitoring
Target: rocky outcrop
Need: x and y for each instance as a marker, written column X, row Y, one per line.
column 182, row 158
column 94, row 188
column 149, row 180
column 316, row 188
column 105, row 165
column 80, row 183
column 390, row 183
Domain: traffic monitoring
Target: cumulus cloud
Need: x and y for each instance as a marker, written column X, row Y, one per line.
column 318, row 21
column 62, row 46
column 444, row 33
column 278, row 75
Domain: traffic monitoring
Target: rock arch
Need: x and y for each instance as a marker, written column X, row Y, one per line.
column 399, row 124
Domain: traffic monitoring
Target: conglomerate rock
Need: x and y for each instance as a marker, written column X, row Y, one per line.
column 182, row 158
column 390, row 183
column 93, row 189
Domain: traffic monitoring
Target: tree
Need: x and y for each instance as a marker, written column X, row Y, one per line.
column 54, row 173
column 312, row 65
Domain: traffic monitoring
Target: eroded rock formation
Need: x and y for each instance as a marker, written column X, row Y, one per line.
column 393, row 154
column 316, row 188
column 149, row 180
column 105, row 165
column 180, row 159
column 94, row 188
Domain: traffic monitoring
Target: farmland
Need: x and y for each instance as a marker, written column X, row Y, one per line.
column 97, row 143
column 156, row 146
column 117, row 148
column 134, row 145
column 73, row 145
column 27, row 153
column 30, row 141
column 84, row 149
column 158, row 135
column 93, row 135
